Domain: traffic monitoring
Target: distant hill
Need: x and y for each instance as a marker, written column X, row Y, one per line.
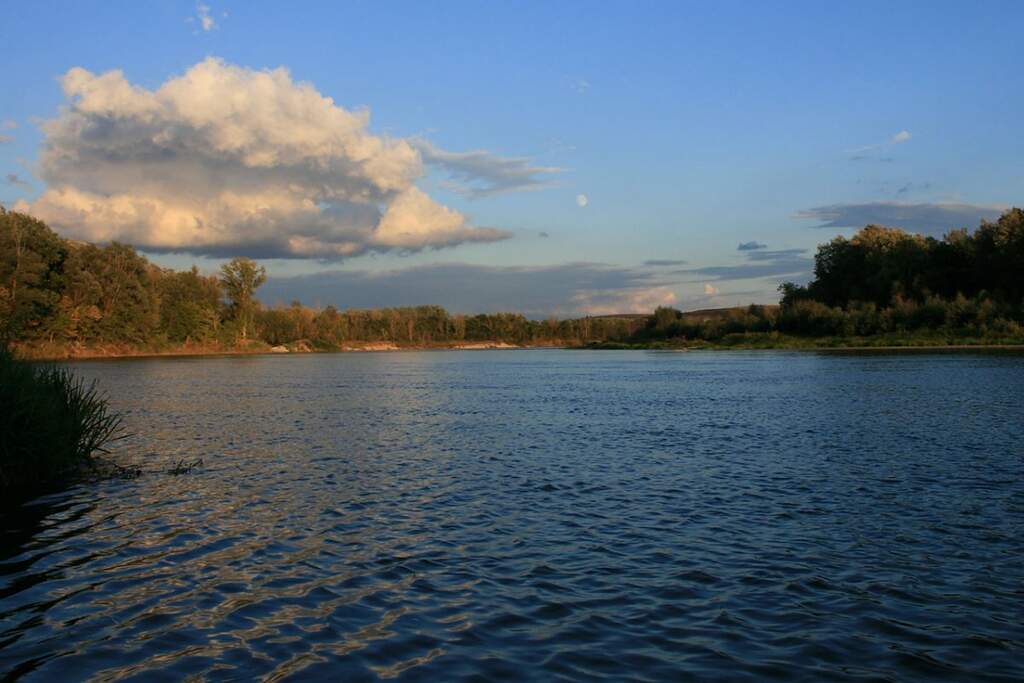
column 621, row 316
column 715, row 313
column 700, row 314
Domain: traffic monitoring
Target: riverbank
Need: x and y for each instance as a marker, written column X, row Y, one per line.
column 742, row 343
column 54, row 352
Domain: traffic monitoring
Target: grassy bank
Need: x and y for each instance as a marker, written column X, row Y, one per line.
column 52, row 425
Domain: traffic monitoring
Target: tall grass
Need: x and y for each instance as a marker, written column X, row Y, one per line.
column 52, row 424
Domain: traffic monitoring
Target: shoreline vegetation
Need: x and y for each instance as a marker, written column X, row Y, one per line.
column 45, row 352
column 53, row 427
column 883, row 288
column 740, row 342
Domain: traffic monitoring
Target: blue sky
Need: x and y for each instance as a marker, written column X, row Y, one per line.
column 689, row 128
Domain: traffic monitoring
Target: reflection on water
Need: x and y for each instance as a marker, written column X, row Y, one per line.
column 531, row 515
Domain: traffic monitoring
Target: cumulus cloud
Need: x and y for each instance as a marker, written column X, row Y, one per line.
column 751, row 246
column 537, row 291
column 710, row 289
column 226, row 160
column 927, row 219
column 902, row 136
column 480, row 173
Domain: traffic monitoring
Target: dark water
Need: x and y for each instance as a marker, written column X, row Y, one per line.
column 537, row 515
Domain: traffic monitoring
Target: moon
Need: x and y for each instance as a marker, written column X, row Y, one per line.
column 581, row 200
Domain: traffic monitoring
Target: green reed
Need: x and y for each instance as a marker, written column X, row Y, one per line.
column 52, row 424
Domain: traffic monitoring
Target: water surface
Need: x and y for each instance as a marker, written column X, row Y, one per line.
column 537, row 515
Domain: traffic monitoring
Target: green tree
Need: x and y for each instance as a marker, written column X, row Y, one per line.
column 112, row 294
column 31, row 263
column 189, row 305
column 240, row 278
column 1000, row 255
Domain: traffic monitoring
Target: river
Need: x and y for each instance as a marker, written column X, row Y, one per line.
column 536, row 515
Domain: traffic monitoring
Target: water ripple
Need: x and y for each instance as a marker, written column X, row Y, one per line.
column 536, row 515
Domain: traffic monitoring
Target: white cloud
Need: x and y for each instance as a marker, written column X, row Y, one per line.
column 710, row 289
column 866, row 152
column 582, row 200
column 481, row 173
column 206, row 21
column 580, row 86
column 414, row 220
column 636, row 300
column 226, row 160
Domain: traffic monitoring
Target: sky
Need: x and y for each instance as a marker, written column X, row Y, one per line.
column 551, row 158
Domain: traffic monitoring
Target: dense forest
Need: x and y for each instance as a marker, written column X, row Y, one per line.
column 883, row 284
column 60, row 297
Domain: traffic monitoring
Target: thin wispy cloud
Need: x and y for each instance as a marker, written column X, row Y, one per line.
column 8, row 124
column 767, row 263
column 16, row 180
column 751, row 246
column 569, row 289
column 480, row 173
column 580, row 86
column 924, row 218
column 869, row 151
column 537, row 291
column 4, row 139
column 206, row 20
column 276, row 169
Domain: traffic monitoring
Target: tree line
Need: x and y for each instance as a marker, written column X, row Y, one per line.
column 884, row 281
column 60, row 293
